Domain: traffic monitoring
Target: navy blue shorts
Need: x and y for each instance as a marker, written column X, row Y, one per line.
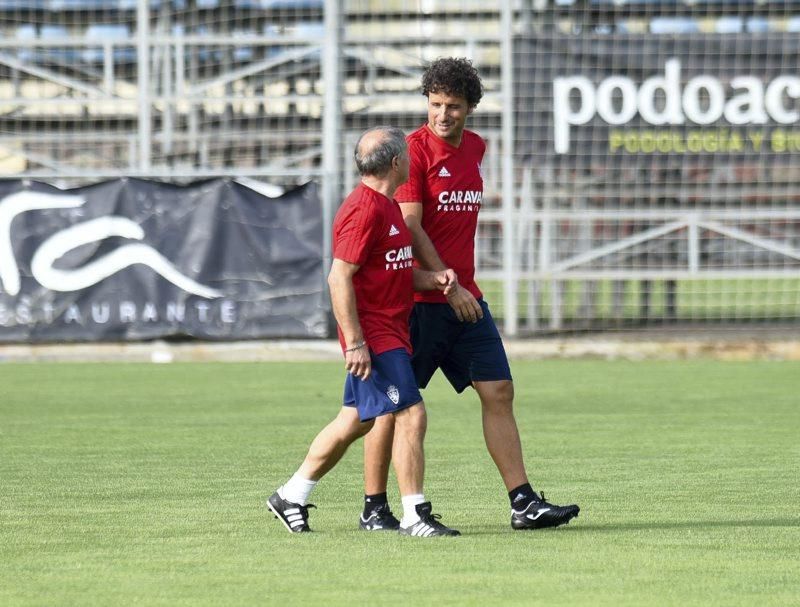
column 391, row 386
column 464, row 351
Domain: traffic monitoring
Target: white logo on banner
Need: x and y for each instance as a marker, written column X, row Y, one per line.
column 60, row 243
column 662, row 100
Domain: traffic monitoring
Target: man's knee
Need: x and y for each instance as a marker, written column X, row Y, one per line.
column 496, row 394
column 412, row 419
column 351, row 426
column 384, row 425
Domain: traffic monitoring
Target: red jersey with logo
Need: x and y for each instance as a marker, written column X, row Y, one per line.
column 447, row 181
column 369, row 231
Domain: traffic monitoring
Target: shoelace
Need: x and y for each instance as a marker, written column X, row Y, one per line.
column 304, row 510
column 542, row 502
column 538, row 500
column 433, row 520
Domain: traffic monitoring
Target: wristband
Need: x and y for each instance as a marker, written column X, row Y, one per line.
column 356, row 347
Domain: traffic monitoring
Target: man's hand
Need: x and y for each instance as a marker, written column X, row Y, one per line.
column 357, row 361
column 446, row 281
column 464, row 304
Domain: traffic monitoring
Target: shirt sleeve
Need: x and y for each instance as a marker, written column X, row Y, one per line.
column 357, row 233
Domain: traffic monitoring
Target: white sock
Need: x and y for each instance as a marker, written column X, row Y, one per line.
column 297, row 489
column 410, row 503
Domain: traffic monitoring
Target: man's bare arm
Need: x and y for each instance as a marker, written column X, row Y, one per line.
column 462, row 301
column 445, row 281
column 424, row 251
column 343, row 300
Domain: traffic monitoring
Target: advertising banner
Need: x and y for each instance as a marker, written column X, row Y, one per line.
column 131, row 259
column 624, row 97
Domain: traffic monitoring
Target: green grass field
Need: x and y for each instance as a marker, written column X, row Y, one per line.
column 145, row 484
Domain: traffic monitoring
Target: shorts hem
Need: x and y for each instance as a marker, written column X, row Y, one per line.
column 381, row 414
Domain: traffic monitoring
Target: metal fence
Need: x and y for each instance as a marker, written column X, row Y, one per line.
column 625, row 227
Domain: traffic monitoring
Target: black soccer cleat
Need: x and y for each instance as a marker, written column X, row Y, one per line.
column 293, row 516
column 539, row 513
column 428, row 524
column 380, row 519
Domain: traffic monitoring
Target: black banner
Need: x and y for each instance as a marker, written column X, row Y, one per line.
column 131, row 260
column 625, row 97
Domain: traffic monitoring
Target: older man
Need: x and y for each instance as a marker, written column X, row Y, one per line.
column 372, row 280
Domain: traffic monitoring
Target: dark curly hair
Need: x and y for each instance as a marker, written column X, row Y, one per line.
column 453, row 76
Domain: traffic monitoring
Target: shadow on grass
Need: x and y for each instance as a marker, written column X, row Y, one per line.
column 578, row 526
column 697, row 525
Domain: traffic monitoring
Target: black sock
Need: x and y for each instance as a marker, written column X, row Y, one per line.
column 522, row 495
column 372, row 502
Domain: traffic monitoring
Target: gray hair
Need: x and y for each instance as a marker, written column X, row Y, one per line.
column 377, row 159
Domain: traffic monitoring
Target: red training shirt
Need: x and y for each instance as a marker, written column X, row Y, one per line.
column 369, row 231
column 447, row 181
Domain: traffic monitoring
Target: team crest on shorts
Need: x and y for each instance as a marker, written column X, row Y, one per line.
column 393, row 393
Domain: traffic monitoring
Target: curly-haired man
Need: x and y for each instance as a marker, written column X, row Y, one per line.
column 455, row 333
